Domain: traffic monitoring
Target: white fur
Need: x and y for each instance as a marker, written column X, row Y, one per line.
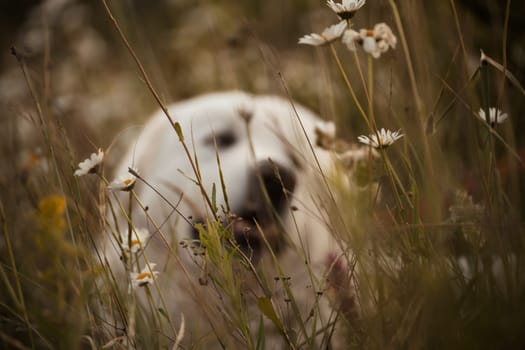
column 275, row 133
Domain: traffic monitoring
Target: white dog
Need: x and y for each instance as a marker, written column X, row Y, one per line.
column 238, row 233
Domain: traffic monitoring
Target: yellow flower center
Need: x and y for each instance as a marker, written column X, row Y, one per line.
column 143, row 275
column 127, row 182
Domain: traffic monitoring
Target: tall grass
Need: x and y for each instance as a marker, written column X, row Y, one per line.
column 433, row 223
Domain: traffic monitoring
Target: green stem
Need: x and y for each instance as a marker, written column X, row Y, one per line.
column 175, row 125
column 490, row 142
column 370, row 66
column 171, row 253
column 504, row 49
column 360, row 71
column 349, row 86
column 410, row 66
column 21, row 301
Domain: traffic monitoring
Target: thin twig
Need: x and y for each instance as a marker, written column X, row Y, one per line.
column 175, row 125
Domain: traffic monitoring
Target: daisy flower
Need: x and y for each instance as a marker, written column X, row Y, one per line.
column 123, row 182
column 91, row 164
column 346, row 9
column 328, row 35
column 382, row 139
column 495, row 116
column 350, row 37
column 139, row 238
column 144, row 277
column 375, row 42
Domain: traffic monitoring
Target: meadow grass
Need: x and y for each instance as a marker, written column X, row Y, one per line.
column 433, row 223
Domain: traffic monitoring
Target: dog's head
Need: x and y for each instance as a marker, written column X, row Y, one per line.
column 254, row 164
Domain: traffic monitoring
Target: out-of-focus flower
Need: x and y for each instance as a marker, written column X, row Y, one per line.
column 346, row 9
column 91, row 164
column 123, row 182
column 350, row 37
column 328, row 35
column 51, row 214
column 495, row 116
column 375, row 42
column 32, row 160
column 144, row 277
column 49, row 237
column 139, row 238
column 382, row 139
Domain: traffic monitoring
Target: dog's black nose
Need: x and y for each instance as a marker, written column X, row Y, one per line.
column 268, row 194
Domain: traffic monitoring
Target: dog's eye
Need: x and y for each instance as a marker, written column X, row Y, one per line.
column 223, row 139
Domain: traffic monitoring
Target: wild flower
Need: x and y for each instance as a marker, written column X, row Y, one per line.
column 382, row 139
column 139, row 238
column 375, row 42
column 328, row 35
column 51, row 213
column 33, row 160
column 123, row 182
column 144, row 277
column 495, row 116
column 346, row 9
column 350, row 37
column 91, row 164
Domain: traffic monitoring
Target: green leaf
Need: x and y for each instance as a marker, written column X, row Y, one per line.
column 266, row 306
column 178, row 130
column 260, row 345
column 214, row 197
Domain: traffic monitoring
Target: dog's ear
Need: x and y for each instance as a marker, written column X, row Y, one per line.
column 327, row 127
column 324, row 133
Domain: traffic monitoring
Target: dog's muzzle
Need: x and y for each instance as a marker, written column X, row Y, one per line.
column 258, row 221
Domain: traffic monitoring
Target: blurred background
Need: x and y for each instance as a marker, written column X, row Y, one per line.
column 75, row 58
